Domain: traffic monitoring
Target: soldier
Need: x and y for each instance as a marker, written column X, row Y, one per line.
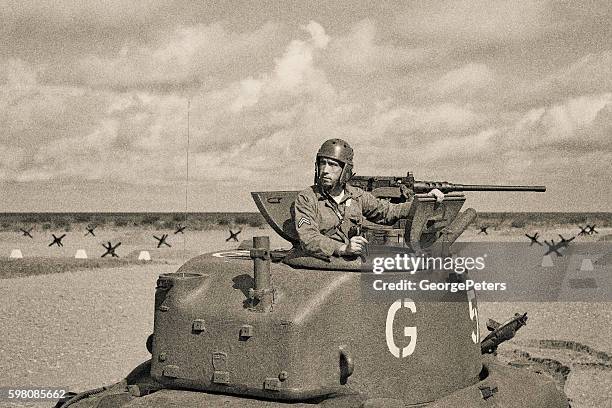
column 329, row 214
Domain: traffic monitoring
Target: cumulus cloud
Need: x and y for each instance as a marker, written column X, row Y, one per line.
column 11, row 158
column 576, row 122
column 423, row 124
column 319, row 38
column 140, row 137
column 539, row 146
column 259, row 108
column 474, row 21
column 589, row 74
column 296, row 65
column 535, row 147
column 360, row 52
column 469, row 77
column 186, row 56
column 17, row 75
column 403, row 106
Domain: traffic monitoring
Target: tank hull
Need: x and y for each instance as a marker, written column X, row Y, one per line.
column 504, row 386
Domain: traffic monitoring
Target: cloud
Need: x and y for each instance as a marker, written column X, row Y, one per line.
column 185, row 56
column 576, row 122
column 469, row 77
column 284, row 113
column 17, row 75
column 296, row 65
column 261, row 103
column 139, row 137
column 534, row 147
column 469, row 21
column 11, row 158
column 589, row 74
column 360, row 52
column 53, row 132
column 319, row 38
column 69, row 12
column 423, row 124
column 33, row 114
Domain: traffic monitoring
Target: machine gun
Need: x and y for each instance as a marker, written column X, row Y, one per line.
column 501, row 332
column 393, row 187
column 427, row 223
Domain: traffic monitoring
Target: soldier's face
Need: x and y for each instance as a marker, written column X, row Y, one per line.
column 330, row 171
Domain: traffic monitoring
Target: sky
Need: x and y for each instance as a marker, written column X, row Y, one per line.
column 102, row 103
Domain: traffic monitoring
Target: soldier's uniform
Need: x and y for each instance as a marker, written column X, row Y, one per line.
column 323, row 226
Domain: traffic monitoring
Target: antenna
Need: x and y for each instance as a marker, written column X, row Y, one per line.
column 187, row 179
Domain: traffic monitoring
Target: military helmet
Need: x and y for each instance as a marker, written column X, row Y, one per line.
column 340, row 150
column 336, row 149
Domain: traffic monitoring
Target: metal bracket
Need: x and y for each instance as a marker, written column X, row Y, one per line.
column 258, row 253
column 219, row 360
column 221, row 377
column 197, row 326
column 163, row 284
column 219, row 363
column 487, row 392
column 272, row 384
column 258, row 294
column 246, row 331
column 171, row 371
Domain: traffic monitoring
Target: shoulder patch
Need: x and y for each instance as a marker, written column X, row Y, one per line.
column 303, row 220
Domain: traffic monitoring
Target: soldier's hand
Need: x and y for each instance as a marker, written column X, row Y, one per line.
column 356, row 246
column 437, row 194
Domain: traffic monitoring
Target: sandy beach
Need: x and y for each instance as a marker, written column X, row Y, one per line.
column 87, row 327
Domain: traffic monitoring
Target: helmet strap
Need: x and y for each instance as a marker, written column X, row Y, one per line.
column 347, row 173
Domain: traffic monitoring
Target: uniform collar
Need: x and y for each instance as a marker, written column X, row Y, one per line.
column 349, row 192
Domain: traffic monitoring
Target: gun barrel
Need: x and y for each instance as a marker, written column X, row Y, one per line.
column 477, row 187
column 445, row 187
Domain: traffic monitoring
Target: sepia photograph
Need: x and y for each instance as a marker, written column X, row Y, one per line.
column 295, row 204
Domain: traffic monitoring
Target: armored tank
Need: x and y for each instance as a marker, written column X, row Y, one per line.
column 260, row 327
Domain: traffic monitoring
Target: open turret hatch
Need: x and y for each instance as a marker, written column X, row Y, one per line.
column 276, row 208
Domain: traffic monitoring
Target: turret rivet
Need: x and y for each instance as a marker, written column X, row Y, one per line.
column 246, row 331
column 198, row 326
